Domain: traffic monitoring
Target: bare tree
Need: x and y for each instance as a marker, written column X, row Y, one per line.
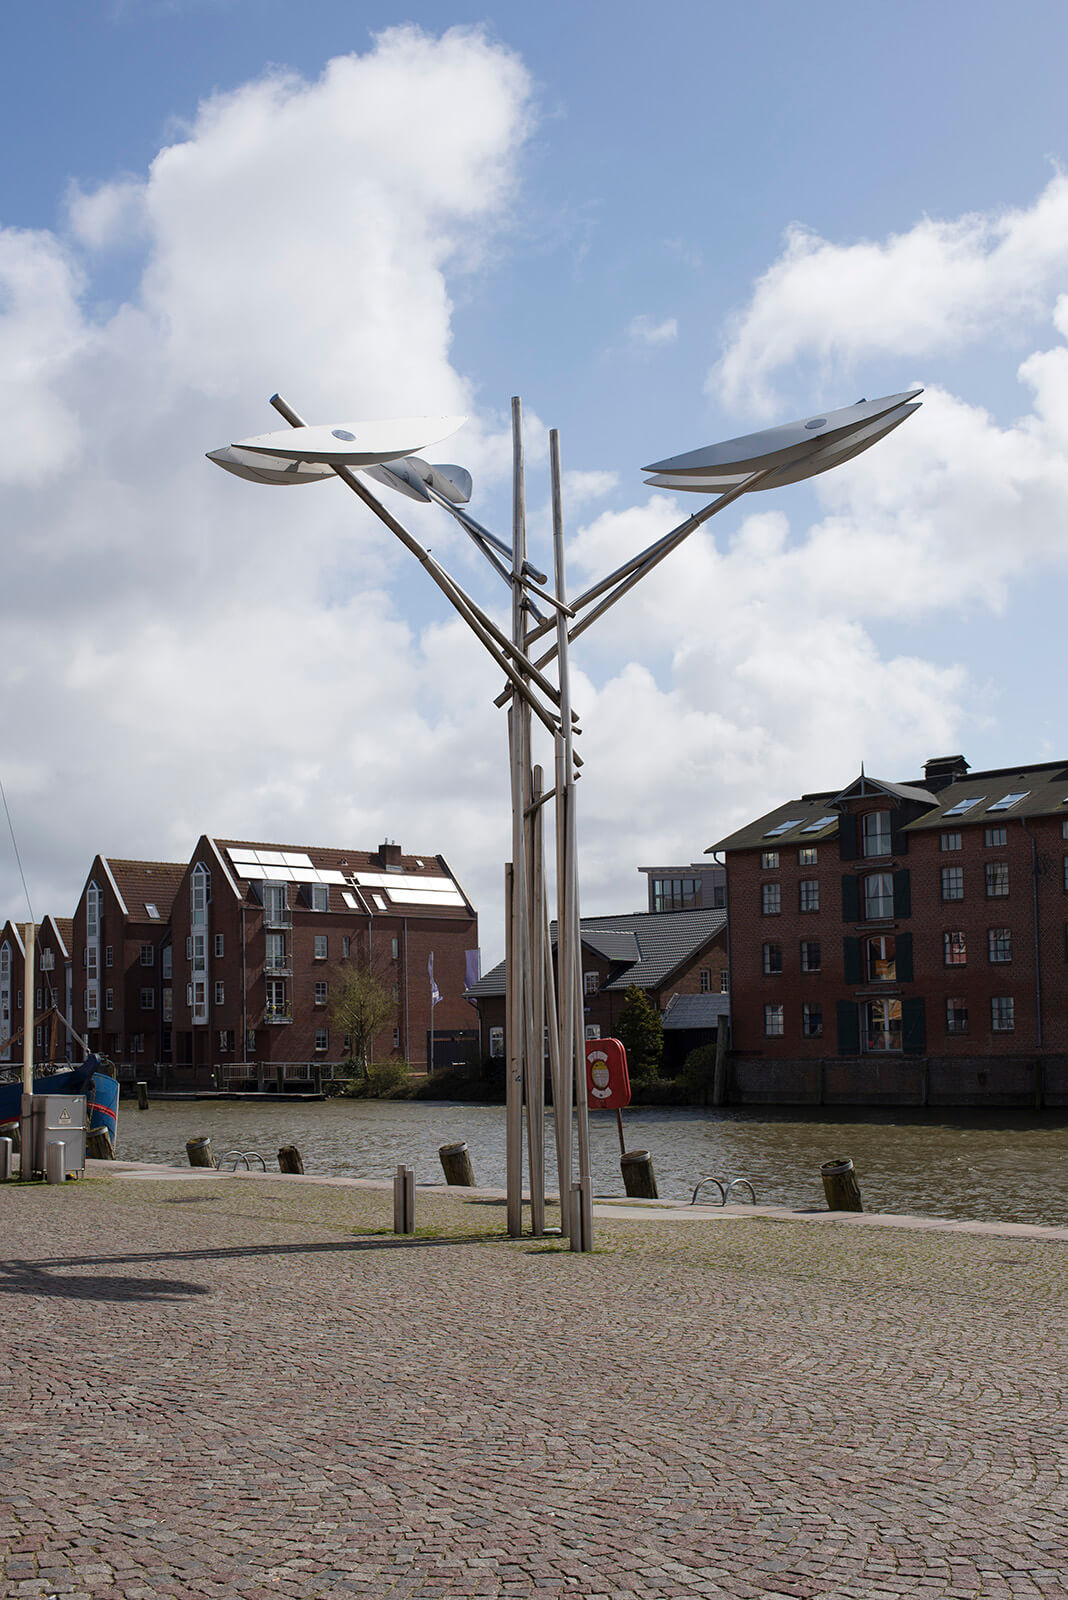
column 360, row 1005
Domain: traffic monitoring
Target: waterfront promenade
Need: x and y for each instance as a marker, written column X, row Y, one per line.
column 221, row 1385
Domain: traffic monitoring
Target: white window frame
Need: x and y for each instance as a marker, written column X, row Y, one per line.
column 1002, row 1013
column 876, row 841
column 320, row 947
column 774, row 1019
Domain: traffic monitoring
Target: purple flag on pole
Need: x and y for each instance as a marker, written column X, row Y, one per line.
column 472, row 968
column 435, row 994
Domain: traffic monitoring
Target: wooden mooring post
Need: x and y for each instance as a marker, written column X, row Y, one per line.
column 200, row 1153
column 456, row 1165
column 840, row 1186
column 290, row 1159
column 142, row 1095
column 98, row 1145
column 639, row 1179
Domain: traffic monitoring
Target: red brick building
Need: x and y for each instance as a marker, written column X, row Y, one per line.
column 262, row 932
column 53, row 987
column 120, row 951
column 904, row 942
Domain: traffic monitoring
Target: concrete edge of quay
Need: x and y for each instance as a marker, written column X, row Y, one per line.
column 605, row 1206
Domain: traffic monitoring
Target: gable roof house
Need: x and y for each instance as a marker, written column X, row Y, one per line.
column 678, row 958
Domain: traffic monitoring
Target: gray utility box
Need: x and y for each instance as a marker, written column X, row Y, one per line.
column 57, row 1119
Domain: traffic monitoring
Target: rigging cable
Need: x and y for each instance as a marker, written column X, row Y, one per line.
column 18, row 858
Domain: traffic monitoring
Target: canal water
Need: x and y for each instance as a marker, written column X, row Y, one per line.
column 988, row 1166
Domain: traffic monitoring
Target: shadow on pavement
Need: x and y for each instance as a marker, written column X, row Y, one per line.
column 238, row 1252
column 36, row 1280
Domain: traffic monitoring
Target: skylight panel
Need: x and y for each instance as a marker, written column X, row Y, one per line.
column 783, row 827
column 420, row 897
column 1008, row 800
column 350, row 900
column 964, row 805
column 152, row 910
column 817, row 825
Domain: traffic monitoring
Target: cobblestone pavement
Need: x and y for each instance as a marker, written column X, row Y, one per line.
column 250, row 1388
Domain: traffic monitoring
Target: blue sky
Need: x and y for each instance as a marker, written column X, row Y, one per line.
column 590, row 205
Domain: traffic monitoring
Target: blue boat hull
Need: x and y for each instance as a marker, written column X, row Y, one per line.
column 76, row 1081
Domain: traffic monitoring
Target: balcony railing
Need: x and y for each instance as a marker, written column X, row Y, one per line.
column 275, row 1014
column 277, row 969
column 277, row 917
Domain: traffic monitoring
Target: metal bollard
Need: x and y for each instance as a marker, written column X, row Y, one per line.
column 56, row 1162
column 7, row 1152
column 574, row 1217
column 404, row 1200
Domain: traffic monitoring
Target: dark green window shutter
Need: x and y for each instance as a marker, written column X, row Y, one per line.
column 902, row 894
column 847, row 837
column 850, row 898
column 851, row 953
column 848, row 1028
column 899, row 840
column 913, row 1027
column 903, row 957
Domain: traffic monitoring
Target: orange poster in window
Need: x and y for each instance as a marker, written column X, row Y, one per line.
column 607, row 1078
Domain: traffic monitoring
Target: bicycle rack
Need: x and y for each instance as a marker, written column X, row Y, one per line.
column 725, row 1185
column 247, row 1156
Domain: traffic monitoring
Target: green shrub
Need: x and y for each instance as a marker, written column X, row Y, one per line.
column 698, row 1074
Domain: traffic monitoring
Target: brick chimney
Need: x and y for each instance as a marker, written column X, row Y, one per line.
column 389, row 854
column 941, row 771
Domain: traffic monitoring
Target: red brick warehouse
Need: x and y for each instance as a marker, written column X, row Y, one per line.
column 904, row 942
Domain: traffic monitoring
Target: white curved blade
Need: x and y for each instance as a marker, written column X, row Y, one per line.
column 355, row 444
column 841, row 447
column 753, row 452
column 409, row 475
column 258, row 469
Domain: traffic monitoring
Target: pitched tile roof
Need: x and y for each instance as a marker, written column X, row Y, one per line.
column 144, row 883
column 1043, row 788
column 649, row 946
column 695, row 1010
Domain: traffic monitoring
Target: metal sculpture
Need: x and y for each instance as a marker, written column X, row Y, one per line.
column 543, row 998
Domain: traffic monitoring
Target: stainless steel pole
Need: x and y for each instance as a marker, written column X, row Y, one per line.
column 28, row 1015
column 519, row 750
column 535, row 1083
column 513, row 1072
column 569, row 961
